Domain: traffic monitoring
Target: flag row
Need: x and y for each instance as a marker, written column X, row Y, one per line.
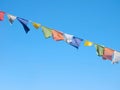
column 102, row 51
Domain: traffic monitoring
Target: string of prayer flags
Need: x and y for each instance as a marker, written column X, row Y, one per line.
column 46, row 31
column 57, row 35
column 99, row 50
column 36, row 25
column 116, row 57
column 11, row 18
column 24, row 22
column 2, row 15
column 104, row 52
column 88, row 43
column 76, row 42
column 108, row 53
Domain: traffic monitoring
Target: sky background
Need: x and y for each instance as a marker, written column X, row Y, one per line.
column 31, row 62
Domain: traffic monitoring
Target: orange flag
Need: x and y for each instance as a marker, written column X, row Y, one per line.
column 108, row 53
column 57, row 35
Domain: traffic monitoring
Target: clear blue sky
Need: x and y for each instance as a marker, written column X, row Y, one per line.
column 31, row 62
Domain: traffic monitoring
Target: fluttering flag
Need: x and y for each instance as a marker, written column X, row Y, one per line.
column 11, row 18
column 2, row 15
column 88, row 43
column 108, row 53
column 36, row 25
column 68, row 38
column 24, row 22
column 57, row 35
column 46, row 31
column 116, row 57
column 99, row 49
column 76, row 42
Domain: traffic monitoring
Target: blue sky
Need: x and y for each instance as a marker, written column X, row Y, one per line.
column 31, row 62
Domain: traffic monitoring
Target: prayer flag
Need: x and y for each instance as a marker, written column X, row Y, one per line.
column 88, row 43
column 47, row 32
column 57, row 35
column 36, row 25
column 76, row 42
column 11, row 18
column 2, row 15
column 108, row 53
column 68, row 38
column 116, row 57
column 99, row 49
column 24, row 22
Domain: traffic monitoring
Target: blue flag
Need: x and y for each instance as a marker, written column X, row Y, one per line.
column 24, row 22
column 76, row 42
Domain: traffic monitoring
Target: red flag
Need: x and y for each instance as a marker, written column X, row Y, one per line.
column 2, row 15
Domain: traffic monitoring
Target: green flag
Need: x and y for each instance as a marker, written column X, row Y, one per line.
column 99, row 49
column 47, row 32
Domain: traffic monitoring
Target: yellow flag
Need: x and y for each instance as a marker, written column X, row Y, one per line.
column 88, row 43
column 36, row 25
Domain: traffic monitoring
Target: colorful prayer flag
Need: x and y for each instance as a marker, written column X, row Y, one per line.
column 116, row 57
column 68, row 38
column 88, row 43
column 2, row 15
column 57, row 35
column 47, row 32
column 99, row 49
column 24, row 22
column 36, row 25
column 108, row 53
column 11, row 18
column 76, row 42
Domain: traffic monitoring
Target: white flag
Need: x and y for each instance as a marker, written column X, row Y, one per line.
column 11, row 18
column 116, row 57
column 68, row 38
